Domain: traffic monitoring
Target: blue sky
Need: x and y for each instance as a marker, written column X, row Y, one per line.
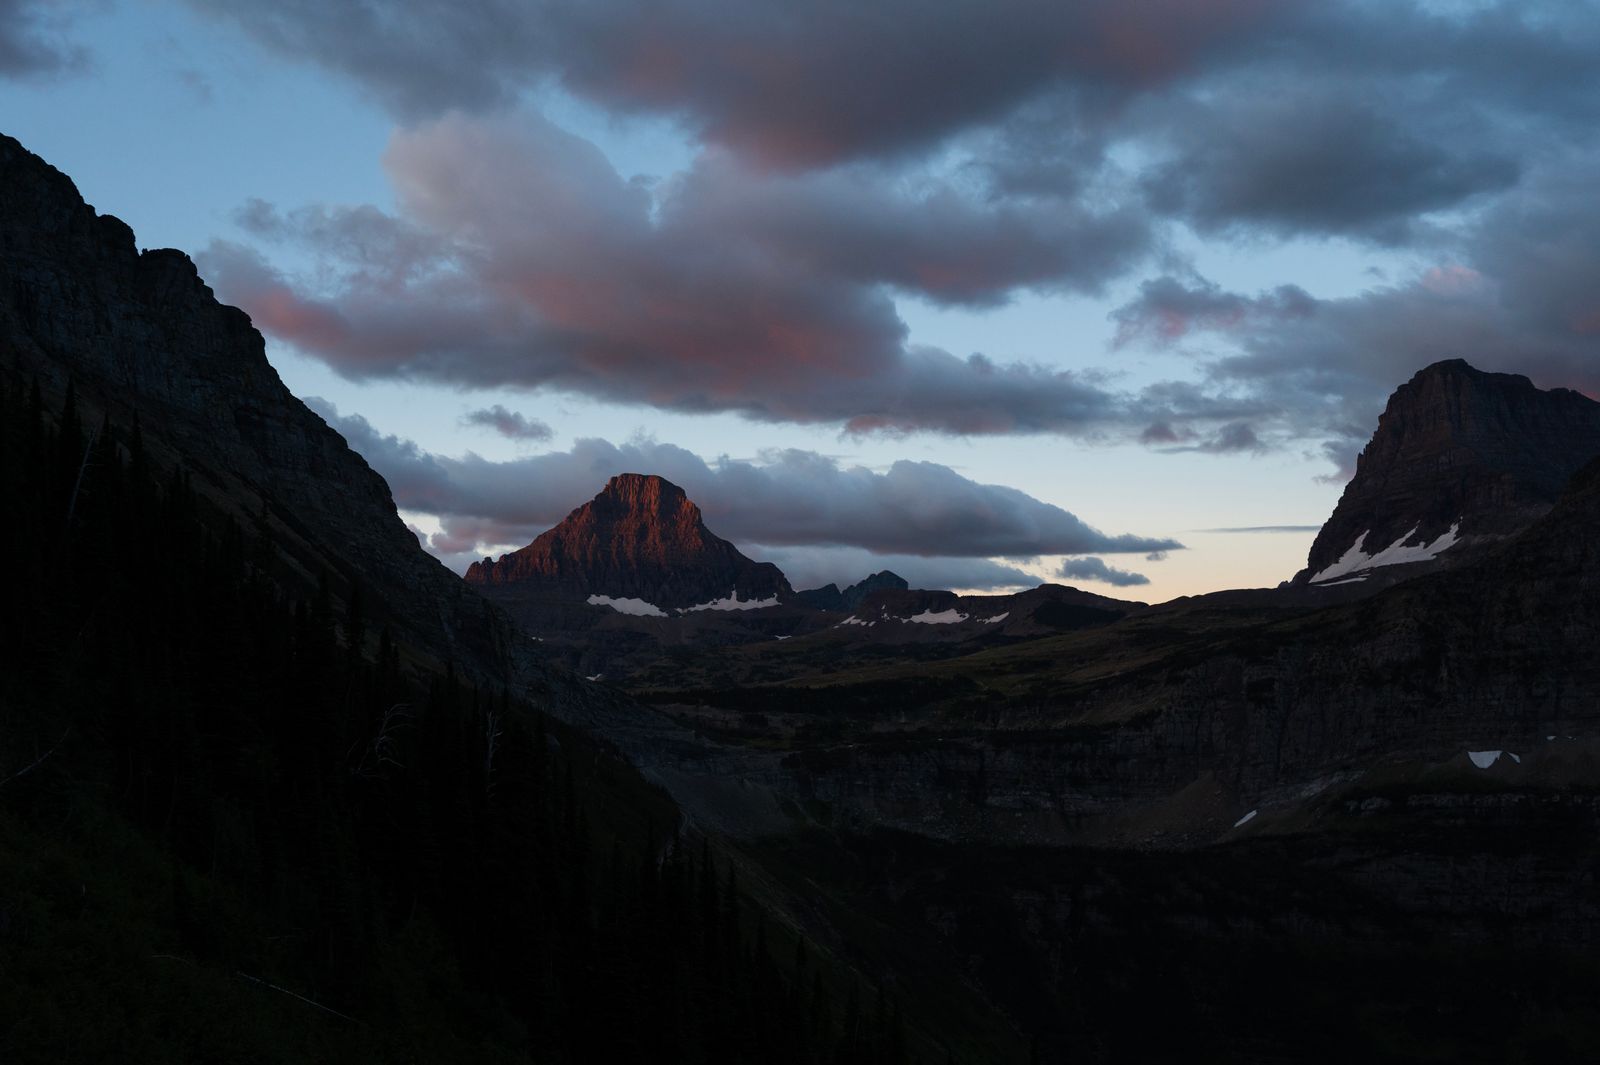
column 1191, row 247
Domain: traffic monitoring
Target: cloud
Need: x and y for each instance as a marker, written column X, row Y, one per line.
column 1169, row 308
column 1095, row 569
column 1266, row 529
column 1233, row 438
column 847, row 158
column 521, row 258
column 1318, row 160
column 784, row 86
column 790, row 498
column 509, row 424
column 813, row 567
column 1366, row 120
column 34, row 42
column 1514, row 291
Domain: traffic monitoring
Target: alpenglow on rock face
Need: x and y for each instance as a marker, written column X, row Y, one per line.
column 1459, row 455
column 640, row 539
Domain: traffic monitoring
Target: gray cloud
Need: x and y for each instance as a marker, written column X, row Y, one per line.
column 790, row 499
column 509, row 423
column 1095, row 569
column 1515, row 292
column 34, row 41
column 787, row 86
column 813, row 567
column 1233, row 438
column 1370, row 120
column 1319, row 160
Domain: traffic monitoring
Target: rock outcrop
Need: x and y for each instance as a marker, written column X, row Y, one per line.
column 640, row 539
column 1459, row 456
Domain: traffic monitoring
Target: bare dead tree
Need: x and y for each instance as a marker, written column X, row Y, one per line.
column 88, row 450
column 293, row 994
column 38, row 761
column 384, row 747
column 492, row 732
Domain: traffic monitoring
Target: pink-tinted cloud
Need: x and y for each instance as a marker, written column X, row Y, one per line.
column 520, row 257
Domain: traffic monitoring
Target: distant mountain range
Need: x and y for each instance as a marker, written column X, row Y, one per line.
column 1461, row 459
column 635, row 572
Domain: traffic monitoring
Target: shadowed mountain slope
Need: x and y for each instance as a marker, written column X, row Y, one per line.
column 1459, row 456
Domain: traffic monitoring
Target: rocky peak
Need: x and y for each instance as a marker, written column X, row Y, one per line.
column 1459, row 455
column 829, row 597
column 853, row 596
column 641, row 538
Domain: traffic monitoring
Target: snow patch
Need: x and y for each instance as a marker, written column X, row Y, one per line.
column 1347, row 580
column 1485, row 759
column 943, row 617
column 1246, row 819
column 993, row 620
column 1356, row 559
column 780, row 637
column 733, row 602
column 637, row 607
column 597, row 676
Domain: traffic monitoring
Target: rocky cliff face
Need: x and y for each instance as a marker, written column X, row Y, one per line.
column 1459, row 455
column 142, row 336
column 641, row 539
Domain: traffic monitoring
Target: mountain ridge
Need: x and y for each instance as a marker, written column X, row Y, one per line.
column 1459, row 456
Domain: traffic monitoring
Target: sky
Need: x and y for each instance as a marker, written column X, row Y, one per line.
column 1104, row 292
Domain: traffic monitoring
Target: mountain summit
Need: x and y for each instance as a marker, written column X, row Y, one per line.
column 640, row 539
column 1459, row 455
